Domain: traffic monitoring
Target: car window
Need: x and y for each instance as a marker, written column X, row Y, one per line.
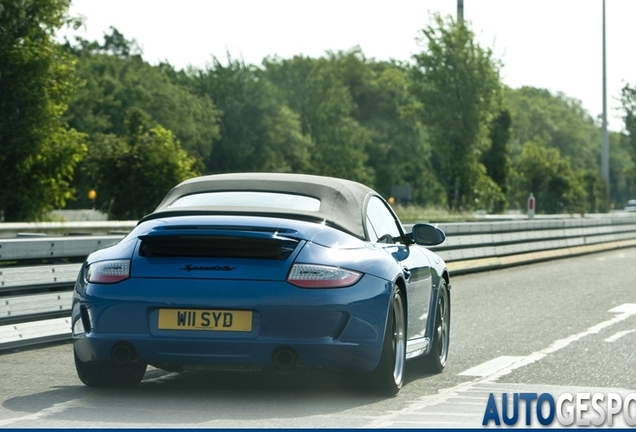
column 248, row 199
column 381, row 224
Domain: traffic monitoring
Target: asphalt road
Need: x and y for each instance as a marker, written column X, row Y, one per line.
column 559, row 327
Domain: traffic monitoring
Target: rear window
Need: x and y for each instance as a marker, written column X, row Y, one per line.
column 248, row 199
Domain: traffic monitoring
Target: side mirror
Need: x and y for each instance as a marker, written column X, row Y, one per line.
column 427, row 235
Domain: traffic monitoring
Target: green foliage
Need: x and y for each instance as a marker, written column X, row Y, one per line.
column 496, row 159
column 457, row 82
column 561, row 123
column 313, row 88
column 413, row 213
column 440, row 126
column 38, row 152
column 543, row 172
column 486, row 194
column 399, row 152
column 595, row 191
column 116, row 79
column 133, row 173
column 628, row 101
column 556, row 120
column 258, row 132
column 622, row 170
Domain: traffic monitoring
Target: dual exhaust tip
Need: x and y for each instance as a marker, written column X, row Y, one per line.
column 282, row 358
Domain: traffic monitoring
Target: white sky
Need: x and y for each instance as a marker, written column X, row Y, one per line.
column 552, row 44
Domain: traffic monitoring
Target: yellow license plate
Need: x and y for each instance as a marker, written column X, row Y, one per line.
column 205, row 319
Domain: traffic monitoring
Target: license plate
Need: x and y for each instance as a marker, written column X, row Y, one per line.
column 205, row 319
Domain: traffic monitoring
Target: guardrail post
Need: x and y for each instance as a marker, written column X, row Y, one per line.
column 531, row 206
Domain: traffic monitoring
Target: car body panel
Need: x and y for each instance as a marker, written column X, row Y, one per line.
column 197, row 261
column 342, row 319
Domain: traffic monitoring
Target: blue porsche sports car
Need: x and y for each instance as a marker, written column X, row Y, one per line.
column 261, row 270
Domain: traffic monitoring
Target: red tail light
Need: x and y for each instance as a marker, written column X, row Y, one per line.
column 318, row 276
column 108, row 272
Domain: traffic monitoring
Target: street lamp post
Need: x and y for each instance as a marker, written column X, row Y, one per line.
column 605, row 175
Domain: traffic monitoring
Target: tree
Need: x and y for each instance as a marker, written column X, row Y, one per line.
column 116, row 78
column 496, row 159
column 399, row 152
column 457, row 82
column 133, row 173
column 622, row 170
column 258, row 131
column 558, row 121
column 628, row 100
column 38, row 152
column 543, row 172
column 561, row 123
column 313, row 88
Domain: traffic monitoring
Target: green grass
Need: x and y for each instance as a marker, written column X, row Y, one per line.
column 411, row 213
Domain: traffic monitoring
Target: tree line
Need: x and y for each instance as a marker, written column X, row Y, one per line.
column 80, row 116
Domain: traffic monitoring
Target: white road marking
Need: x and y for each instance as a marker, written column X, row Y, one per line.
column 55, row 409
column 63, row 406
column 618, row 335
column 419, row 406
column 625, row 311
column 624, row 308
column 491, row 366
column 418, row 412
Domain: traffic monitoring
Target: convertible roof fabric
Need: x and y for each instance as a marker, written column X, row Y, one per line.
column 341, row 201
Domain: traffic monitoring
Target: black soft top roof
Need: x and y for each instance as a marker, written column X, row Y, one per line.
column 341, row 201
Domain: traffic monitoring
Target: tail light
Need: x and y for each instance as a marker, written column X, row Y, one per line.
column 108, row 272
column 318, row 276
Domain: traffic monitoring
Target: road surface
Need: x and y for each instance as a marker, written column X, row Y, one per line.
column 565, row 326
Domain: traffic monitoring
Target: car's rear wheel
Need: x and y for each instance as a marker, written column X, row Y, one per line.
column 435, row 360
column 388, row 376
column 109, row 374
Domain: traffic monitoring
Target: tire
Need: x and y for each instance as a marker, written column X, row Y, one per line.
column 435, row 360
column 388, row 376
column 109, row 374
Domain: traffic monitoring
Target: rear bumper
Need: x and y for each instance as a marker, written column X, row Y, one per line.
column 333, row 328
column 179, row 353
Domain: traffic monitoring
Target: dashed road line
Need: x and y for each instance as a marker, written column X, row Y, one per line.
column 619, row 335
column 492, row 366
column 427, row 406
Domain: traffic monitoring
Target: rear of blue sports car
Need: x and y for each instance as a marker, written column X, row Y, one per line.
column 206, row 291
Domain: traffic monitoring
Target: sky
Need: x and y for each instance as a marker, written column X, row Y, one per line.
column 551, row 44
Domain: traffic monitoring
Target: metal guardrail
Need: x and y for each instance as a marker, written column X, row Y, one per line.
column 38, row 271
column 39, row 263
column 11, row 229
column 481, row 246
